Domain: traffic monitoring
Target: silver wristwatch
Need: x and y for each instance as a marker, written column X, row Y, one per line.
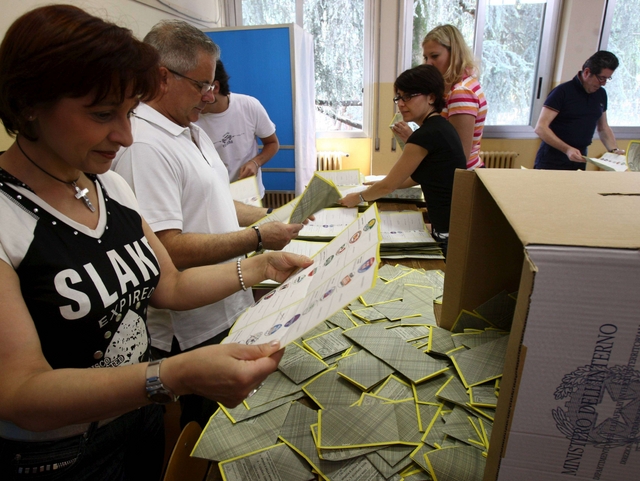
column 156, row 391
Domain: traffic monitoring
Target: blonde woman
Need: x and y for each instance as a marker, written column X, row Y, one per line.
column 465, row 103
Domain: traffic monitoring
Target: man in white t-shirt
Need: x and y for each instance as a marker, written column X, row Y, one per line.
column 234, row 122
column 182, row 188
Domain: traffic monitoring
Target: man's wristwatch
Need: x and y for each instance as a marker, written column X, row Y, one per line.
column 259, row 247
column 156, row 391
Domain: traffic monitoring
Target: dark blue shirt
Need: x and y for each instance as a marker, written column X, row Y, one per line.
column 578, row 115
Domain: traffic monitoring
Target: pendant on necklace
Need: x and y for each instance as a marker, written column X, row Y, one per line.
column 82, row 195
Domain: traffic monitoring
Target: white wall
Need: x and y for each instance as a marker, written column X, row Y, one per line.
column 579, row 36
column 126, row 13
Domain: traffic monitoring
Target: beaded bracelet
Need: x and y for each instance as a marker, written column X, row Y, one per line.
column 244, row 288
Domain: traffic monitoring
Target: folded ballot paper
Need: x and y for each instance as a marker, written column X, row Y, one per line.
column 246, row 191
column 610, row 161
column 398, row 118
column 342, row 271
column 319, row 194
column 390, row 397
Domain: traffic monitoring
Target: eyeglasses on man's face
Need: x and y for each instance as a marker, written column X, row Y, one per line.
column 203, row 86
column 404, row 97
column 602, row 79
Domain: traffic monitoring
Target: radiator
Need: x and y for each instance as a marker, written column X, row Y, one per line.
column 498, row 160
column 330, row 160
column 277, row 198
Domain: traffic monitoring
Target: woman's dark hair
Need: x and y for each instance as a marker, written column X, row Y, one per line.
column 423, row 79
column 61, row 51
column 223, row 77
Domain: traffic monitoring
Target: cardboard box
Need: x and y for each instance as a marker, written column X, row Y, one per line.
column 568, row 242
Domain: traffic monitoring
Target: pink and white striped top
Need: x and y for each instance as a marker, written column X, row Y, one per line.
column 467, row 97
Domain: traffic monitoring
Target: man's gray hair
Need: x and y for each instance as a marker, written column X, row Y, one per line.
column 179, row 44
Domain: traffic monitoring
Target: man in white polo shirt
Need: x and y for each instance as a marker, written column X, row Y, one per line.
column 182, row 187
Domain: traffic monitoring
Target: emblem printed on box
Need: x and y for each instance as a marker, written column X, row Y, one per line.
column 600, row 387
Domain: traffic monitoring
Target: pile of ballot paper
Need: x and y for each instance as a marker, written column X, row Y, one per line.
column 375, row 392
column 405, row 235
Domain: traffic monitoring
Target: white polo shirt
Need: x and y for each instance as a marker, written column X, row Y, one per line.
column 181, row 184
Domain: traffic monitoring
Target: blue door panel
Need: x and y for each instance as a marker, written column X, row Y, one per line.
column 279, row 181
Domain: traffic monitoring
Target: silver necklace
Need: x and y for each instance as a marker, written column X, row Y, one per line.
column 81, row 194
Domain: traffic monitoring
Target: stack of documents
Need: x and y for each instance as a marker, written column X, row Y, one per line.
column 376, row 391
column 405, row 235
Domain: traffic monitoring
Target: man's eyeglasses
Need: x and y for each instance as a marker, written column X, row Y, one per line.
column 203, row 86
column 602, row 79
column 405, row 98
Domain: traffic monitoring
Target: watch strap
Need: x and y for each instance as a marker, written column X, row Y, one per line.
column 156, row 391
column 259, row 247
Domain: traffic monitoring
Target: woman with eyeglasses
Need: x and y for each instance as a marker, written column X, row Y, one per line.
column 465, row 103
column 79, row 265
column 432, row 153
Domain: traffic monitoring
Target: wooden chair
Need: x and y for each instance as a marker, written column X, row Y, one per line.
column 181, row 466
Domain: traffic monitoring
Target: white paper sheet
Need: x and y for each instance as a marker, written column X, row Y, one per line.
column 246, row 191
column 342, row 271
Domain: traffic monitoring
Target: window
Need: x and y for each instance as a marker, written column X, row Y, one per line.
column 338, row 28
column 428, row 14
column 621, row 36
column 510, row 37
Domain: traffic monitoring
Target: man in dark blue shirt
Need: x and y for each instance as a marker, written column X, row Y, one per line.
column 572, row 112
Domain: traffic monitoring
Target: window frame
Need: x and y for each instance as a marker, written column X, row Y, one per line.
column 233, row 16
column 621, row 132
column 544, row 70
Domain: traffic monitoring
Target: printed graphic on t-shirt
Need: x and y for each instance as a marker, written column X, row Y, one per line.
column 128, row 344
column 227, row 139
